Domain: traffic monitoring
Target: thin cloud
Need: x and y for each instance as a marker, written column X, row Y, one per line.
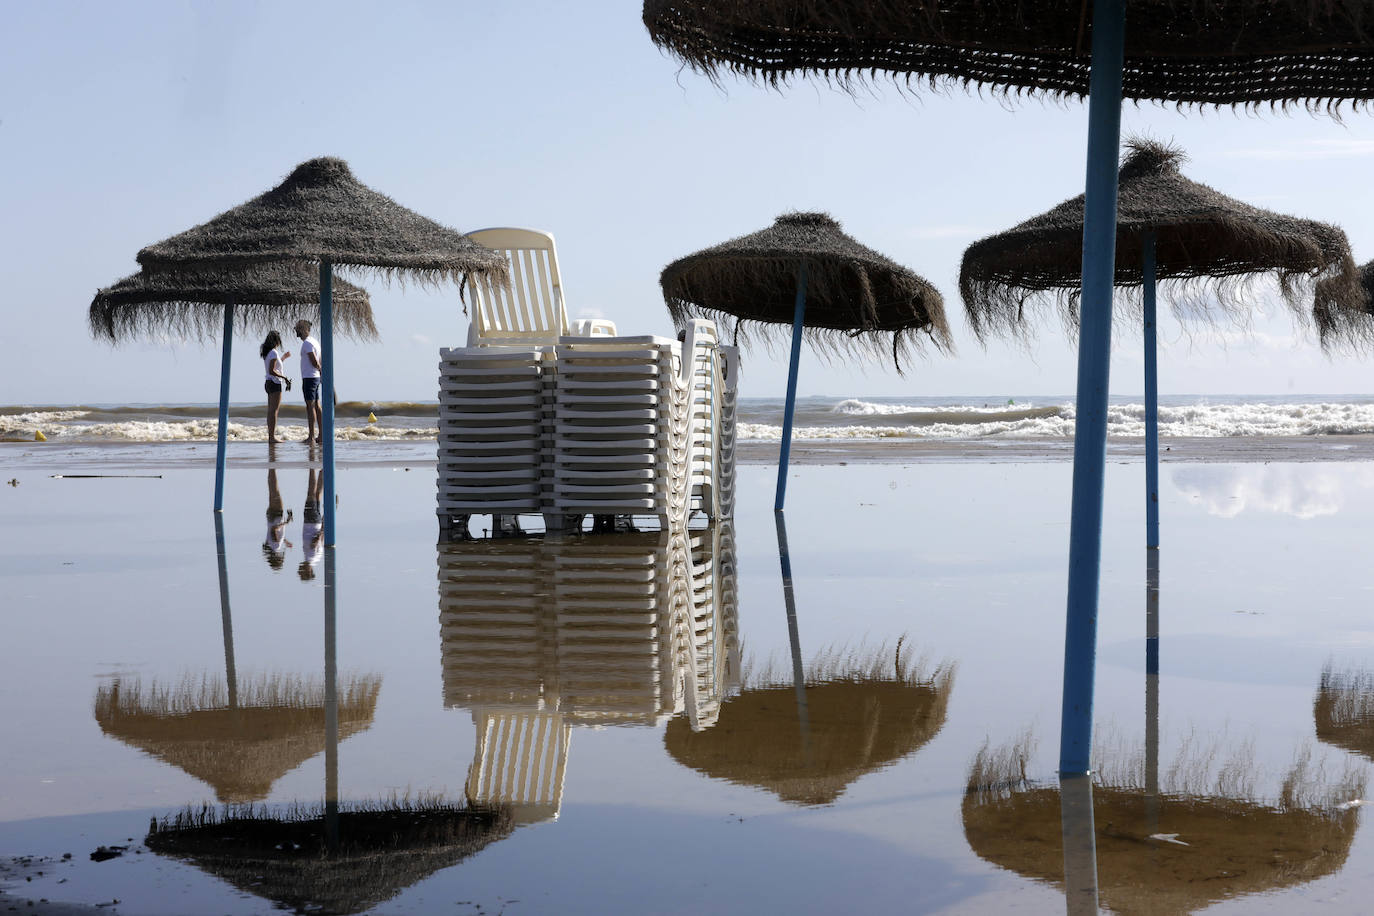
column 420, row 339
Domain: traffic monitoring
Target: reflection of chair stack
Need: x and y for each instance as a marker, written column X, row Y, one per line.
column 491, row 433
column 540, row 634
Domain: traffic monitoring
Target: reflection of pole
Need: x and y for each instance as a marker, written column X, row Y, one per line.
column 327, row 394
column 786, row 449
column 1152, row 690
column 222, row 434
column 331, row 709
column 1151, row 397
column 798, row 676
column 230, row 673
column 1094, row 365
column 1080, row 844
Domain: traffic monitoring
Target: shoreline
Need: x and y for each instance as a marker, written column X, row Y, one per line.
column 113, row 456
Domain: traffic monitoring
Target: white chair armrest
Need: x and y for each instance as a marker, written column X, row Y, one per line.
column 593, row 327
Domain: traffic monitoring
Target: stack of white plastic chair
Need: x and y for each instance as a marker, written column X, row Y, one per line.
column 495, row 394
column 492, row 433
column 540, row 416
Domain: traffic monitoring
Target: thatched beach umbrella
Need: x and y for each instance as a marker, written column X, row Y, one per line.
column 322, row 215
column 1281, row 53
column 805, row 271
column 1170, row 230
column 1344, row 324
column 862, row 712
column 1192, row 849
column 193, row 303
column 381, row 850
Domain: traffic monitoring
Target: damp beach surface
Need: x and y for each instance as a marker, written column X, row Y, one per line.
column 929, row 615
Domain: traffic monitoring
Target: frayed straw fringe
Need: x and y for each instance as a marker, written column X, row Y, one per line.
column 1275, row 55
column 1206, row 243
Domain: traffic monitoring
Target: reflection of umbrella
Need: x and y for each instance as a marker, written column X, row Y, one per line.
column 240, row 750
column 1187, row 53
column 1344, row 711
column 858, row 720
column 1340, row 321
column 805, row 267
column 321, row 213
column 1203, row 848
column 238, row 738
column 251, row 298
column 1167, row 227
column 381, row 851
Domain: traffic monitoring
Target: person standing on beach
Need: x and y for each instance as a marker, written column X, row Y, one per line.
column 310, row 382
column 272, row 359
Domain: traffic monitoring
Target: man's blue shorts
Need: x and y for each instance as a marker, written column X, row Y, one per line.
column 310, row 387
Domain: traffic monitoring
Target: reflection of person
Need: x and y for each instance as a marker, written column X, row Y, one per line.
column 310, row 381
column 272, row 357
column 312, row 530
column 274, row 542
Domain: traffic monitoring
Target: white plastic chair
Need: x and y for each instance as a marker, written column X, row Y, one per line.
column 530, row 310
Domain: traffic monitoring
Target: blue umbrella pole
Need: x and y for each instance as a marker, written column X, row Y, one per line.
column 222, row 434
column 327, row 395
column 1094, row 364
column 1151, row 398
column 786, row 449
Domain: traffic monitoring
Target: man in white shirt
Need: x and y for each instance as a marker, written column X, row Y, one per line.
column 310, row 381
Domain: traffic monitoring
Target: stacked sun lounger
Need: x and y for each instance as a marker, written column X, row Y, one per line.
column 493, row 456
column 538, row 416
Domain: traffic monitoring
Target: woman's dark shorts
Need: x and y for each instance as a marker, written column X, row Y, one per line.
column 271, row 386
column 310, row 387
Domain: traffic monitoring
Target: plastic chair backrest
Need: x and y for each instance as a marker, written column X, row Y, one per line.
column 531, row 305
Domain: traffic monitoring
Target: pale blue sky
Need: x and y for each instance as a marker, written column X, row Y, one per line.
column 122, row 124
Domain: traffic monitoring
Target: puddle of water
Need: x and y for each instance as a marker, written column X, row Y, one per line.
column 650, row 723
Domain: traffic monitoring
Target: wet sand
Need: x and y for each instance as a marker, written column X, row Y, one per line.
column 112, row 456
column 116, row 578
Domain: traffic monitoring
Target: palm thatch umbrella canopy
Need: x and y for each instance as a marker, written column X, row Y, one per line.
column 190, row 304
column 1199, row 234
column 1341, row 323
column 854, row 295
column 239, row 749
column 1344, row 711
column 1177, row 855
column 1168, row 229
column 1202, row 53
column 857, row 722
column 321, row 214
column 381, row 850
column 1281, row 53
column 805, row 271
